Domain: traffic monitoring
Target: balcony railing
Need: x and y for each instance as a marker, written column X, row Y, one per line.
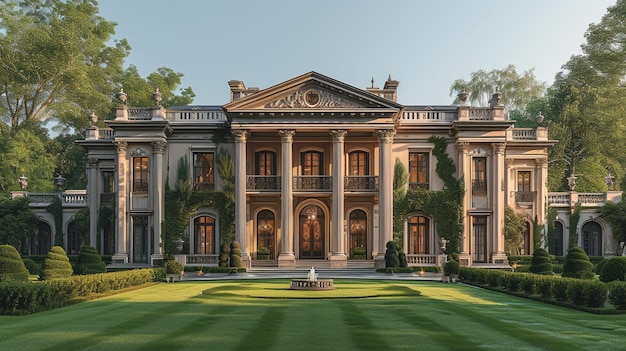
column 263, row 183
column 69, row 198
column 312, row 183
column 568, row 199
column 419, row 185
column 360, row 183
column 417, row 260
column 199, row 260
column 525, row 196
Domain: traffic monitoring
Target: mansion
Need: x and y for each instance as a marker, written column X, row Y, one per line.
column 313, row 177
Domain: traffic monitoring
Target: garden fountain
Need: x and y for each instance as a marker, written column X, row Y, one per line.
column 311, row 282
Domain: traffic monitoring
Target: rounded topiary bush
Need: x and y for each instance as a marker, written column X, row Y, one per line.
column 577, row 264
column 174, row 267
column 391, row 255
column 402, row 260
column 541, row 263
column 89, row 261
column 11, row 265
column 224, row 254
column 235, row 255
column 613, row 269
column 451, row 267
column 617, row 294
column 56, row 265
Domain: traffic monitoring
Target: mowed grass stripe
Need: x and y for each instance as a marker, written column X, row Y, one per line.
column 365, row 332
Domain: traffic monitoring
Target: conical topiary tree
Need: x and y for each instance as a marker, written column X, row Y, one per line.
column 541, row 262
column 391, row 255
column 577, row 264
column 613, row 269
column 56, row 265
column 89, row 261
column 224, row 255
column 11, row 265
column 235, row 255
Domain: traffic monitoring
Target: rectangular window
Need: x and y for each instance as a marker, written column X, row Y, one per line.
column 479, row 247
column 265, row 163
column 523, row 181
column 203, row 174
column 108, row 179
column 479, row 176
column 359, row 163
column 418, row 170
column 140, row 174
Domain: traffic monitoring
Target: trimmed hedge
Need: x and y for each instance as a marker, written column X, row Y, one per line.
column 19, row 298
column 617, row 294
column 235, row 255
column 391, row 255
column 613, row 269
column 56, row 265
column 572, row 291
column 11, row 265
column 577, row 264
column 89, row 262
column 541, row 263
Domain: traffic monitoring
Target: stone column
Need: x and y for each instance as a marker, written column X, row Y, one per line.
column 240, row 194
column 92, row 186
column 158, row 148
column 497, row 224
column 464, row 173
column 338, row 257
column 385, row 193
column 121, row 235
column 286, row 258
column 541, row 186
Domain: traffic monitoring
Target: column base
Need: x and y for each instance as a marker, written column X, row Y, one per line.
column 156, row 259
column 338, row 260
column 379, row 262
column 499, row 258
column 246, row 261
column 286, row 260
column 119, row 258
column 465, row 259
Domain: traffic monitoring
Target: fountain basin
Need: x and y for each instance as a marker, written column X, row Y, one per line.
column 306, row 284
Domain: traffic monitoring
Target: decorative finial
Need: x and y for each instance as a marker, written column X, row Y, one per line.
column 93, row 118
column 122, row 96
column 157, row 96
column 389, row 78
column 372, row 82
column 539, row 118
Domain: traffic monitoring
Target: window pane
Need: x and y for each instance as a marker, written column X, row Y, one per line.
column 418, row 170
column 140, row 174
column 203, row 173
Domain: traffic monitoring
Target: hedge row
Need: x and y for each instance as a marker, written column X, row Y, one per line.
column 578, row 292
column 19, row 298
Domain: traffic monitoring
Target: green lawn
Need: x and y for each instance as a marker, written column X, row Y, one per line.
column 264, row 315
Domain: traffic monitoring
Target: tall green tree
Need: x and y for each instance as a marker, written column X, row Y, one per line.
column 518, row 90
column 514, row 226
column 17, row 221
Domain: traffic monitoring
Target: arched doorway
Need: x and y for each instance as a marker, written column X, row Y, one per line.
column 358, row 234
column 75, row 239
column 40, row 242
column 312, row 232
column 592, row 238
column 266, row 229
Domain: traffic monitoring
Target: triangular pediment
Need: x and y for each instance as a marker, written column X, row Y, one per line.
column 311, row 92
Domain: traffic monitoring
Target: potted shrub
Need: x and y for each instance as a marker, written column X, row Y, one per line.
column 358, row 253
column 452, row 269
column 174, row 271
column 263, row 254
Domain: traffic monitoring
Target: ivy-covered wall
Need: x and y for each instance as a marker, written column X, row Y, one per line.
column 445, row 206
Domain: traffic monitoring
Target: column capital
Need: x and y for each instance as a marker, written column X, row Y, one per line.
column 462, row 146
column 92, row 162
column 158, row 146
column 338, row 134
column 498, row 148
column 541, row 162
column 241, row 135
column 121, row 146
column 386, row 135
column 286, row 135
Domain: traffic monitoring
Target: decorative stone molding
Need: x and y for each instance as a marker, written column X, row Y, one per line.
column 240, row 135
column 286, row 135
column 479, row 152
column 159, row 147
column 139, row 152
column 309, row 98
column 462, row 146
column 338, row 135
column 541, row 162
column 121, row 146
column 92, row 162
column 498, row 148
column 386, row 135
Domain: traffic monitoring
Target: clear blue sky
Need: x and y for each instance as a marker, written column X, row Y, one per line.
column 425, row 45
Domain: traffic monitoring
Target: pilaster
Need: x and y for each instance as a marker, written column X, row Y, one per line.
column 286, row 258
column 158, row 148
column 121, row 235
column 385, row 193
column 240, row 194
column 498, row 255
column 338, row 257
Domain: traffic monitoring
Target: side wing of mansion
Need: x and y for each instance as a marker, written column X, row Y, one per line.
column 313, row 168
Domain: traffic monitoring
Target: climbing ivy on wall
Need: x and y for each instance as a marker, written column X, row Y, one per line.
column 183, row 202
column 573, row 225
column 56, row 209
column 550, row 223
column 445, row 206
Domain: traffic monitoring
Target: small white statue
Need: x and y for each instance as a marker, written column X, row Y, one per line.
column 312, row 276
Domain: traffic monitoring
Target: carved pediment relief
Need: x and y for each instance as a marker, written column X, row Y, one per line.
column 312, row 98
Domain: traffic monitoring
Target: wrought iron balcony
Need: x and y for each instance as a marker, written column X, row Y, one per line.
column 525, row 196
column 263, row 183
column 360, row 183
column 312, row 183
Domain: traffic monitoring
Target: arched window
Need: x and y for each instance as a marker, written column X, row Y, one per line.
column 40, row 242
column 592, row 238
column 358, row 233
column 75, row 239
column 418, row 235
column 266, row 227
column 204, row 235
